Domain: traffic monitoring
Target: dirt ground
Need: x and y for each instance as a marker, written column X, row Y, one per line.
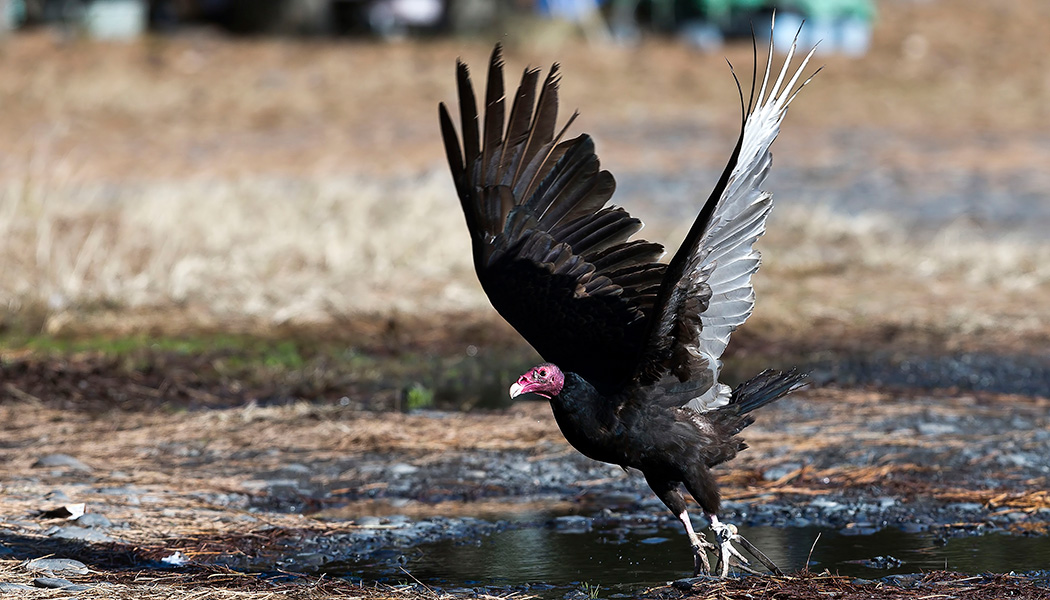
column 238, row 487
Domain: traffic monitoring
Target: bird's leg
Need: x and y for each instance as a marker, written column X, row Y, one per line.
column 727, row 534
column 700, row 546
column 667, row 491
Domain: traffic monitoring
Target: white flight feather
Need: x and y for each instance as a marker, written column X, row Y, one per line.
column 728, row 258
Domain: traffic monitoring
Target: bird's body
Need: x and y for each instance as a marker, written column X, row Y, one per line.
column 633, row 344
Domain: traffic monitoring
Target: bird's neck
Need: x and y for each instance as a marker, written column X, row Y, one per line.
column 577, row 396
column 586, row 418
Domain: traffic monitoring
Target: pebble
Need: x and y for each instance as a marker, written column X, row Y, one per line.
column 83, row 534
column 57, row 496
column 403, row 469
column 905, row 581
column 57, row 565
column 913, row 527
column 296, row 469
column 61, row 460
column 369, row 522
column 59, row 584
column 97, row 520
column 883, row 562
column 936, row 428
column 687, row 583
column 572, row 523
column 13, row 587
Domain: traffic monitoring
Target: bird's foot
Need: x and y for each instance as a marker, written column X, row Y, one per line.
column 727, row 534
column 701, row 564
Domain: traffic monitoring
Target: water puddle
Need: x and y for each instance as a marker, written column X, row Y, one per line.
column 549, row 561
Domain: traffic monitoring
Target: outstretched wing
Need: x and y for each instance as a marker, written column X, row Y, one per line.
column 707, row 293
column 554, row 260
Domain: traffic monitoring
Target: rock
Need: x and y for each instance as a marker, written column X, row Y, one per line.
column 59, row 584
column 860, row 529
column 83, row 534
column 914, row 527
column 965, row 506
column 572, row 524
column 98, row 520
column 61, row 460
column 827, row 505
column 57, row 565
column 13, row 587
column 369, row 522
column 687, row 583
column 905, row 581
column 310, row 560
column 936, row 428
column 57, row 496
column 886, row 502
column 403, row 469
column 296, row 469
column 882, row 562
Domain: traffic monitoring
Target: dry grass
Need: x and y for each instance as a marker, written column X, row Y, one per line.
column 312, row 252
column 269, row 249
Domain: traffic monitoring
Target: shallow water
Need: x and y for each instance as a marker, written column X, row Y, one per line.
column 614, row 558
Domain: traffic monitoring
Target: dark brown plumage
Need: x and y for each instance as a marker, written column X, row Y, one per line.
column 633, row 344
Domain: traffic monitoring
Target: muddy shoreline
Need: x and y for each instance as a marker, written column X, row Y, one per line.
column 325, row 490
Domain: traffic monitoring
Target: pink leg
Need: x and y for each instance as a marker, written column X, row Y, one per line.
column 699, row 544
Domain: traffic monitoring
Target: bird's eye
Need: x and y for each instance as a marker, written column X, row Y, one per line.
column 542, row 372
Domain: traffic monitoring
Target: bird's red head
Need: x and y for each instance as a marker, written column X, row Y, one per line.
column 544, row 380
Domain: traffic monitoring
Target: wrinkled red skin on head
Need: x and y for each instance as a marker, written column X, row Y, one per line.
column 543, row 380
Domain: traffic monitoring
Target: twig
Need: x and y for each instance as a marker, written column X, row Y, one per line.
column 22, row 395
column 427, row 587
column 811, row 549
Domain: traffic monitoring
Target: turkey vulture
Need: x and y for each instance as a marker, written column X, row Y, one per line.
column 632, row 345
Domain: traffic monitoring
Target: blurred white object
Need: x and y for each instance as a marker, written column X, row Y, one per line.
column 418, row 12
column 390, row 17
column 115, row 19
column 847, row 35
column 176, row 560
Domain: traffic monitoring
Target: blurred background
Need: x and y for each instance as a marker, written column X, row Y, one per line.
column 275, row 168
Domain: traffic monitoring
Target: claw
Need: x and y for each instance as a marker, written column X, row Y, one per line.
column 727, row 534
column 701, row 564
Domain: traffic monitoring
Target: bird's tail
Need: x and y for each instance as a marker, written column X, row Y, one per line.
column 764, row 388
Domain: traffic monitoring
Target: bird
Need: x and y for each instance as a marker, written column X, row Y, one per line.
column 632, row 345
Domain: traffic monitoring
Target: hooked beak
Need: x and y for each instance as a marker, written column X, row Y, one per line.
column 516, row 389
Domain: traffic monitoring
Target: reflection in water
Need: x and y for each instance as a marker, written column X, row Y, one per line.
column 620, row 558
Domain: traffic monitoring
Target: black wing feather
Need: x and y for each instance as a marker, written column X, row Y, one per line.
column 555, row 262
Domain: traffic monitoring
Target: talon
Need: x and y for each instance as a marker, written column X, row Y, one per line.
column 701, row 564
column 727, row 534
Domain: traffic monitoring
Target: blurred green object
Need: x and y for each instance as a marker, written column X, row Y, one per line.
column 834, row 26
column 717, row 10
column 13, row 13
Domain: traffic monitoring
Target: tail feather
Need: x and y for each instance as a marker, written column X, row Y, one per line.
column 764, row 388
